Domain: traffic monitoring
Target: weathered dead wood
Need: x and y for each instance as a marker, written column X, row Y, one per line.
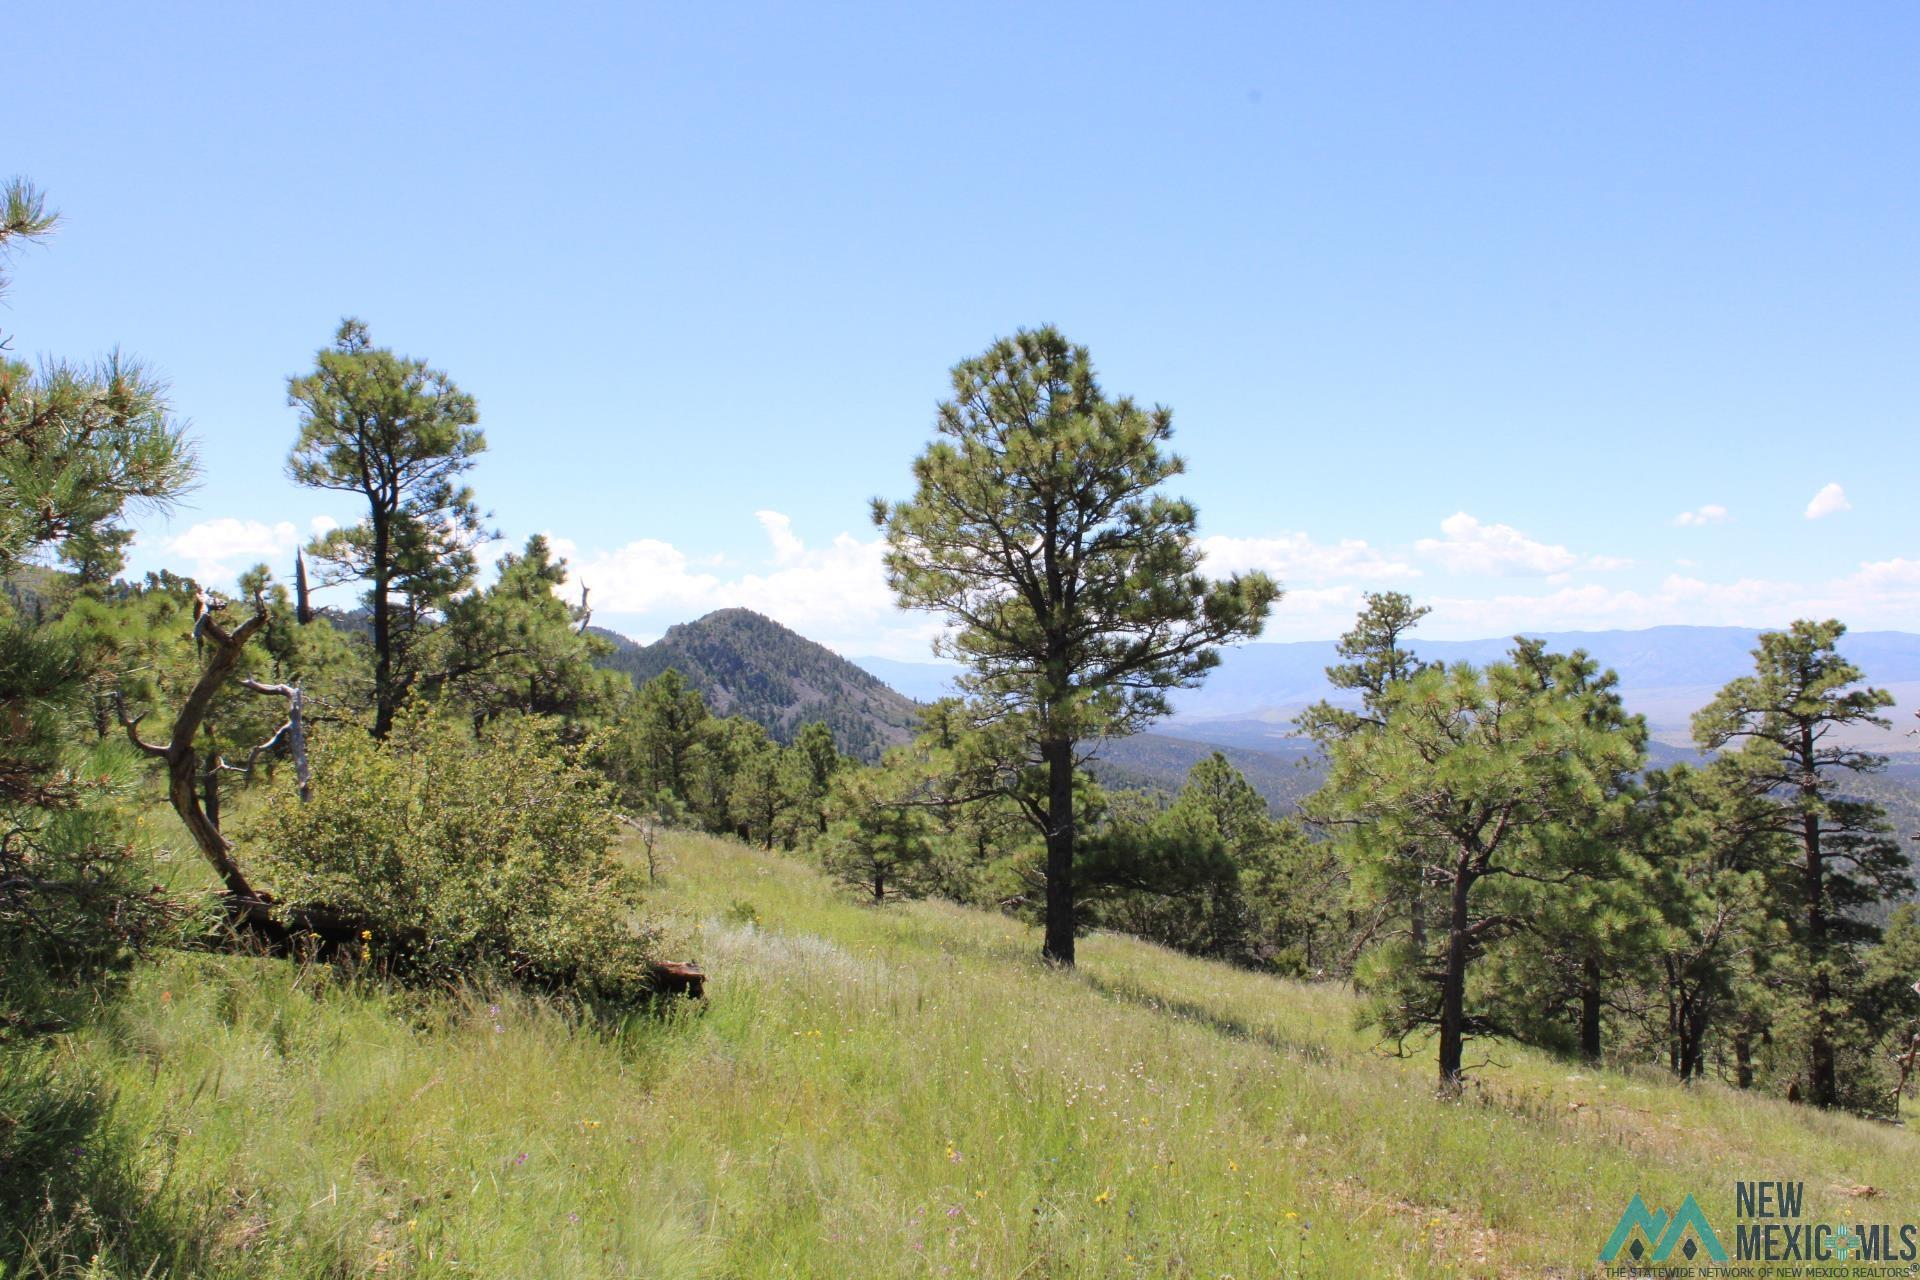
column 676, row 978
column 302, row 603
column 294, row 730
column 315, row 930
column 312, row 931
column 1908, row 1061
column 182, row 761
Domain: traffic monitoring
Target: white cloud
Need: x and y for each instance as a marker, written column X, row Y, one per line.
column 1882, row 594
column 1472, row 547
column 836, row 594
column 1897, row 574
column 1313, row 613
column 787, row 547
column 221, row 547
column 1831, row 500
column 1712, row 513
column 644, row 576
column 1295, row 557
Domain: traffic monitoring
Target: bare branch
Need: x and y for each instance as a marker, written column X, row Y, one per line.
column 131, row 725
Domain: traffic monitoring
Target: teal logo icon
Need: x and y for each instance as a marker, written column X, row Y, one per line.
column 1646, row 1235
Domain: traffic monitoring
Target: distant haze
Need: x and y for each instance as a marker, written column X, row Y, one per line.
column 1666, row 673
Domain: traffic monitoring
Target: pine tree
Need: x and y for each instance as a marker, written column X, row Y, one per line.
column 768, row 790
column 880, row 841
column 1589, row 933
column 1376, row 661
column 1071, row 585
column 657, row 748
column 1792, row 762
column 518, row 647
column 1481, row 771
column 817, row 760
column 399, row 435
column 79, row 446
column 79, row 443
column 1893, row 998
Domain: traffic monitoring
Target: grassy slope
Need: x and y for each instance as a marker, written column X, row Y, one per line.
column 898, row 1092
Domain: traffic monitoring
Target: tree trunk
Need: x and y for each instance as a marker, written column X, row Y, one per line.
column 1693, row 1035
column 383, row 700
column 183, row 772
column 1822, row 1079
column 210, row 791
column 1743, row 1060
column 297, row 742
column 1590, row 1008
column 1058, row 948
column 1453, row 985
column 302, row 603
column 1907, row 1062
column 1673, row 1016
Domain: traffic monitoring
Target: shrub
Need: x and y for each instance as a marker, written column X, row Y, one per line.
column 460, row 855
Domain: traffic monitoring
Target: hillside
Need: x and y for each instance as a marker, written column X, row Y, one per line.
column 898, row 1092
column 1283, row 773
column 746, row 664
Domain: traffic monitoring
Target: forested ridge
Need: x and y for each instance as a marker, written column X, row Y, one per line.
column 745, row 664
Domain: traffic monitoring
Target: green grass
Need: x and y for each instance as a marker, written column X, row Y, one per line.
column 897, row 1092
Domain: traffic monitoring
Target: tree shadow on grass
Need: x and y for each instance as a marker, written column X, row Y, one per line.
column 1305, row 1051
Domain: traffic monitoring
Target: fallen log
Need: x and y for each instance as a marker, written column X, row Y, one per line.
column 678, row 978
column 322, row 933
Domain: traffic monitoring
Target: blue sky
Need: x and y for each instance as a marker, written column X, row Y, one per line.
column 1472, row 301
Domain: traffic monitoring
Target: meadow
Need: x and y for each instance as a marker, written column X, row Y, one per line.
column 903, row 1091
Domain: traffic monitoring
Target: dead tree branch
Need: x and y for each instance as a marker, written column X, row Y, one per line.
column 295, row 730
column 183, row 764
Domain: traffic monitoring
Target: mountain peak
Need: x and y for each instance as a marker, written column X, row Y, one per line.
column 736, row 615
column 745, row 663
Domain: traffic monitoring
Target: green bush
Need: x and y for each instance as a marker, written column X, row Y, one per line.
column 462, row 855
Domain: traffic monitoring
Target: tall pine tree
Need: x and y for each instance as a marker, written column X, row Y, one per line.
column 400, row 436
column 1071, row 584
column 1787, row 721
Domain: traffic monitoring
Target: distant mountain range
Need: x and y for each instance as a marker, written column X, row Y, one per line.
column 751, row 665
column 746, row 664
column 1666, row 673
